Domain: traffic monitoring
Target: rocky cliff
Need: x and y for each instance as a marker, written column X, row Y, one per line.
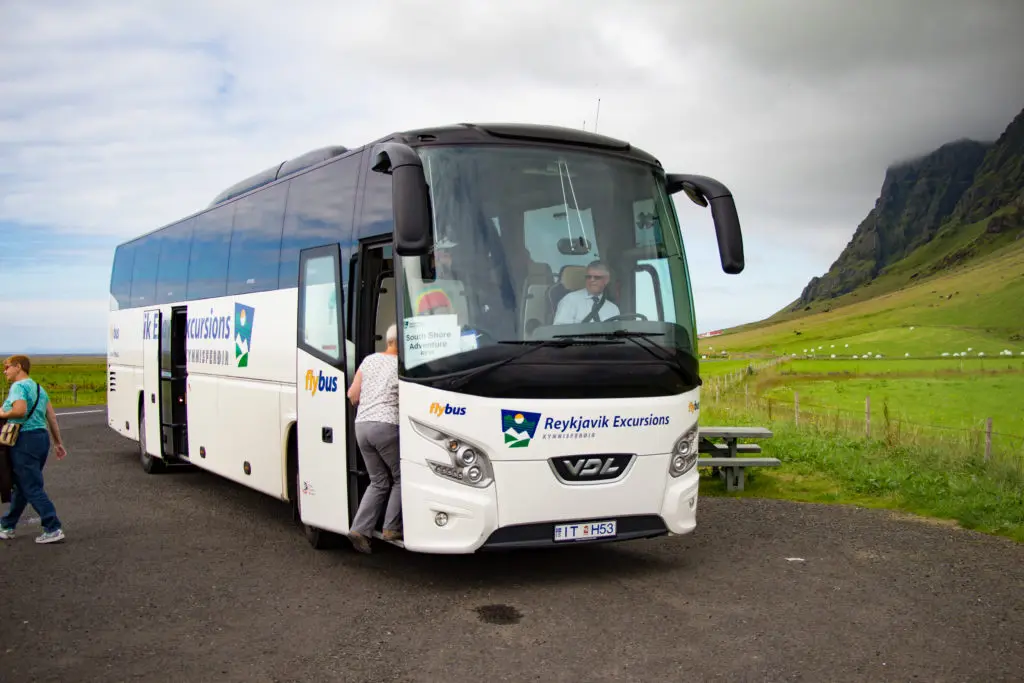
column 916, row 197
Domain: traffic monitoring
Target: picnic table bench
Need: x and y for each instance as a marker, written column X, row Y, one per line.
column 725, row 458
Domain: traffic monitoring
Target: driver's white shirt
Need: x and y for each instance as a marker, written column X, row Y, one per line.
column 575, row 306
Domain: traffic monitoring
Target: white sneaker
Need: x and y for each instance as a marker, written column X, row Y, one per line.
column 6, row 534
column 50, row 536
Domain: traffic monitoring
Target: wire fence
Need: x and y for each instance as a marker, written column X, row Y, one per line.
column 63, row 395
column 734, row 392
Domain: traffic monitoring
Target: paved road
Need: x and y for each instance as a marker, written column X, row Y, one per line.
column 187, row 577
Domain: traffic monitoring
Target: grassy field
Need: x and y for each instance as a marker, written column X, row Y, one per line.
column 61, row 374
column 935, row 393
column 926, row 449
column 820, row 466
column 717, row 367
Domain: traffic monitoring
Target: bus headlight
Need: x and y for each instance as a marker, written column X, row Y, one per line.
column 684, row 453
column 466, row 463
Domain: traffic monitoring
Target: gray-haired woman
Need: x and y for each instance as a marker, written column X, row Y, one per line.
column 375, row 391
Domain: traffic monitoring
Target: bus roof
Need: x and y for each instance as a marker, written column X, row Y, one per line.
column 453, row 134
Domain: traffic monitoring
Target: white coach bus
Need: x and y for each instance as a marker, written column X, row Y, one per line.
column 526, row 420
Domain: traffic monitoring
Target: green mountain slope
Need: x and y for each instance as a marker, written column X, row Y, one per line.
column 978, row 306
column 943, row 248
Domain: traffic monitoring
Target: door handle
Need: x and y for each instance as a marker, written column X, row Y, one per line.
column 327, row 434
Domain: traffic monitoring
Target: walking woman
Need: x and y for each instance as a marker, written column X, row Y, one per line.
column 375, row 391
column 29, row 406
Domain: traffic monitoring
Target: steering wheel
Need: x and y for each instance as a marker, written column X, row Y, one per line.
column 625, row 316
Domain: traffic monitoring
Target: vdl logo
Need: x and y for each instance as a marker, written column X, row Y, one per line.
column 446, row 409
column 320, row 382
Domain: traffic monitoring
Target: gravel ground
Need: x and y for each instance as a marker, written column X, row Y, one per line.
column 188, row 577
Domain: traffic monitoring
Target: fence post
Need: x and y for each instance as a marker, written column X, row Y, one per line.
column 867, row 417
column 746, row 396
column 74, row 393
column 988, row 439
column 796, row 407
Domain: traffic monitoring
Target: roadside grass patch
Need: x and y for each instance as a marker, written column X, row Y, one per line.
column 61, row 375
column 825, row 467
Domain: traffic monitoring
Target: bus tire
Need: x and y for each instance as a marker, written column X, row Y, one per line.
column 150, row 465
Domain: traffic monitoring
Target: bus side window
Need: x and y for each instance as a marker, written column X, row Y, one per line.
column 208, row 263
column 319, row 211
column 318, row 318
column 121, row 276
column 147, row 258
column 172, row 276
column 253, row 262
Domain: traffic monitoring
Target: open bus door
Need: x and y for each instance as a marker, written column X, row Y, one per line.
column 321, row 399
column 150, row 442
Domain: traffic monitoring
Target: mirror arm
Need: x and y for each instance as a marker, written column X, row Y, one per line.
column 387, row 156
column 703, row 191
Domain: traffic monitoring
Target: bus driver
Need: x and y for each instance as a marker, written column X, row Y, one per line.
column 588, row 304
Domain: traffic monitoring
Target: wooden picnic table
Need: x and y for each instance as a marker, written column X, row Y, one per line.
column 736, row 432
column 727, row 463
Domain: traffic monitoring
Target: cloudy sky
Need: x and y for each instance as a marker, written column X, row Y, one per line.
column 116, row 118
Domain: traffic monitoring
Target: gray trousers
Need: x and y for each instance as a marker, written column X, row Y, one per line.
column 378, row 442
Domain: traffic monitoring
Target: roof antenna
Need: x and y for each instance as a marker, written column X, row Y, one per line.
column 598, row 113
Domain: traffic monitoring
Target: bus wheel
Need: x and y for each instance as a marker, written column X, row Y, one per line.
column 150, row 465
column 318, row 538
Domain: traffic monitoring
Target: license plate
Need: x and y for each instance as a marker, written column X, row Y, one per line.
column 583, row 531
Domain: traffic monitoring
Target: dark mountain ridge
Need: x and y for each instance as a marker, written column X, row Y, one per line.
column 938, row 194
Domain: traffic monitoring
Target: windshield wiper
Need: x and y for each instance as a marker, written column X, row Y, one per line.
column 531, row 346
column 652, row 348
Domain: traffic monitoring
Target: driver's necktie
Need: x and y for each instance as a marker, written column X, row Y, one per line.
column 592, row 316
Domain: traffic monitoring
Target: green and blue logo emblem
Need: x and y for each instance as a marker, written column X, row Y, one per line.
column 243, row 333
column 519, row 427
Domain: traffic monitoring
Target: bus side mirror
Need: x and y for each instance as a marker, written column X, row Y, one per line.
column 411, row 199
column 701, row 190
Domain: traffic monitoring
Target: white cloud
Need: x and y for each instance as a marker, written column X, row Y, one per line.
column 115, row 119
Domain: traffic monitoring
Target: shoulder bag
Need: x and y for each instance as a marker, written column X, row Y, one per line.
column 9, row 432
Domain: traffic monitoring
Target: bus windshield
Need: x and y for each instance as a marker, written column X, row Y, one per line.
column 537, row 243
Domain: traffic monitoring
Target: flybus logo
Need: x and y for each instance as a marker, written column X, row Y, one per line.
column 440, row 409
column 319, row 382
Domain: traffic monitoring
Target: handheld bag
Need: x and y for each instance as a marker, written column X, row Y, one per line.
column 9, row 432
column 6, row 470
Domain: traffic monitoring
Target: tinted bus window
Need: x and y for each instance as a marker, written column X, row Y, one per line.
column 377, row 215
column 172, row 276
column 121, row 276
column 147, row 259
column 256, row 241
column 320, row 207
column 208, row 263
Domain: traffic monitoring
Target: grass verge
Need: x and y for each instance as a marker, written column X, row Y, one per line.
column 825, row 467
column 69, row 381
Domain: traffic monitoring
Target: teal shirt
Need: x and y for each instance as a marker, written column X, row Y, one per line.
column 25, row 390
